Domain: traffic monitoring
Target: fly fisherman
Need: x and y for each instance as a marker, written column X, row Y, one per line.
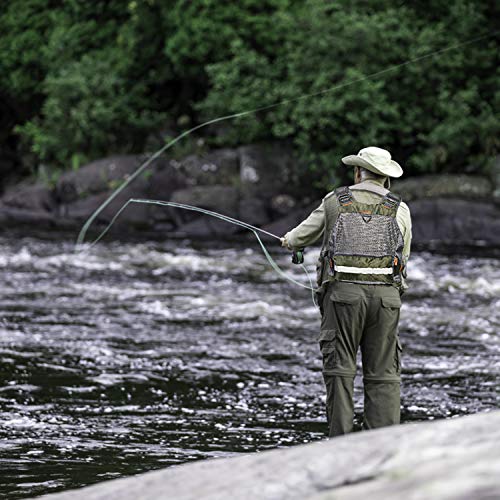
column 366, row 233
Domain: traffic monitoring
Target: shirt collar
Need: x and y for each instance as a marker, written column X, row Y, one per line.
column 374, row 181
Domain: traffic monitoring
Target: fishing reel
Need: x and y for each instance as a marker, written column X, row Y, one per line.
column 298, row 256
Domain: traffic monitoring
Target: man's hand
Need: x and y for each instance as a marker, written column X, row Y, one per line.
column 284, row 242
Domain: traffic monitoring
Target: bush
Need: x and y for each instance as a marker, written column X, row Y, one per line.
column 435, row 114
column 88, row 79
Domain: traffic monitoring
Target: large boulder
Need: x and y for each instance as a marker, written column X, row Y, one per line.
column 455, row 221
column 221, row 199
column 442, row 460
column 253, row 211
column 35, row 197
column 80, row 193
column 495, row 177
column 444, row 186
column 284, row 224
column 96, row 177
column 218, row 198
column 136, row 214
column 451, row 210
column 207, row 227
column 165, row 178
column 161, row 177
column 265, row 169
column 216, row 167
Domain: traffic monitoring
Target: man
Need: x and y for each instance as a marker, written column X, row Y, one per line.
column 366, row 234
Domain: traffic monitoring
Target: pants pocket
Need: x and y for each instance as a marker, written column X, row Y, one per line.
column 328, row 346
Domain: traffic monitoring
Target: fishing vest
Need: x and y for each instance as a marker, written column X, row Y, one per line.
column 363, row 244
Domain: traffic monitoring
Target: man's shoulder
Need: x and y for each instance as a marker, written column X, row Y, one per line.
column 333, row 192
column 404, row 207
column 329, row 195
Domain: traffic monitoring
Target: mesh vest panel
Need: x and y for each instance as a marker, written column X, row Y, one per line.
column 365, row 243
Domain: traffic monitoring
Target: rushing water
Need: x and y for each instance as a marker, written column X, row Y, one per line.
column 141, row 356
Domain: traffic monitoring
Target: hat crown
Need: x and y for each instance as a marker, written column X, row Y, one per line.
column 375, row 154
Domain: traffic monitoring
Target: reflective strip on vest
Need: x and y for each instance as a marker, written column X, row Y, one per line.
column 363, row 270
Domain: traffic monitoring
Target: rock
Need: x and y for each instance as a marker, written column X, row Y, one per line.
column 217, row 167
column 265, row 169
column 282, row 204
column 137, row 215
column 455, row 221
column 80, row 193
column 207, row 227
column 166, row 178
column 96, row 177
column 11, row 216
column 218, row 198
column 295, row 217
column 250, row 183
column 7, row 168
column 221, row 199
column 442, row 460
column 443, row 186
column 104, row 175
column 253, row 211
column 31, row 197
column 495, row 177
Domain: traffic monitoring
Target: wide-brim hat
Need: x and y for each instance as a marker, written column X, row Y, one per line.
column 377, row 160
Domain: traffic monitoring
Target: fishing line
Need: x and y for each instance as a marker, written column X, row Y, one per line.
column 255, row 230
column 149, row 161
column 145, row 164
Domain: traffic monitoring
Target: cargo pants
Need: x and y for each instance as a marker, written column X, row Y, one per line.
column 365, row 316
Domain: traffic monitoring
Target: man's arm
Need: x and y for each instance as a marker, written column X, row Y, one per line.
column 403, row 218
column 307, row 232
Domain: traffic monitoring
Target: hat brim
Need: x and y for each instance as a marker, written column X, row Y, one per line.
column 391, row 169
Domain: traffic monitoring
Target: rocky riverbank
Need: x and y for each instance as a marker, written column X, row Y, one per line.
column 252, row 183
column 447, row 459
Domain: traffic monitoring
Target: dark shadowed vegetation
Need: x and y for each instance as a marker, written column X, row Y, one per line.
column 81, row 80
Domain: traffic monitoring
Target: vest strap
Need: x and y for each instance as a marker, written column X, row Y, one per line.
column 363, row 270
column 391, row 201
column 344, row 196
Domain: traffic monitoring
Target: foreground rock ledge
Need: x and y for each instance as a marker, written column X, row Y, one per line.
column 447, row 459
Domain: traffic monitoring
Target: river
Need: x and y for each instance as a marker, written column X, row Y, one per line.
column 138, row 356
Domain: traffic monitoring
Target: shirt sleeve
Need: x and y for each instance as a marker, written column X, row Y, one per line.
column 307, row 232
column 403, row 218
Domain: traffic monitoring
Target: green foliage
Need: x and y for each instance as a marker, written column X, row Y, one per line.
column 435, row 114
column 82, row 80
column 94, row 85
column 87, row 105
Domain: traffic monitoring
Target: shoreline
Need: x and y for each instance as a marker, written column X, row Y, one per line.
column 444, row 459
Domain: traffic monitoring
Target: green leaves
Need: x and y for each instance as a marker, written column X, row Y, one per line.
column 88, row 79
column 433, row 114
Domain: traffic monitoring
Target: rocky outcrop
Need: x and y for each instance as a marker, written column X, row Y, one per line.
column 442, row 460
column 466, row 187
column 241, row 183
column 452, row 210
column 455, row 221
column 252, row 183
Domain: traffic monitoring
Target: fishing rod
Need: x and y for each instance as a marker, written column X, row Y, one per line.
column 157, row 154
column 297, row 255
